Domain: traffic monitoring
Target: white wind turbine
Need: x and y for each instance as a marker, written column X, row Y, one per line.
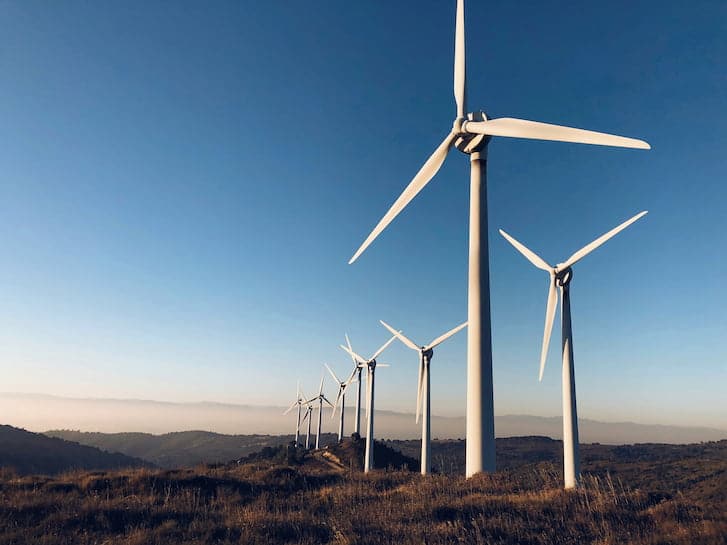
column 309, row 417
column 341, row 396
column 471, row 133
column 423, row 391
column 357, row 370
column 370, row 365
column 320, row 398
column 299, row 402
column 560, row 277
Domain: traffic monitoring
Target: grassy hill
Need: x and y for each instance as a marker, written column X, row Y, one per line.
column 25, row 452
column 308, row 500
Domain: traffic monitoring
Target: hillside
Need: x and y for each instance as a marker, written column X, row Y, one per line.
column 308, row 502
column 25, row 452
column 449, row 456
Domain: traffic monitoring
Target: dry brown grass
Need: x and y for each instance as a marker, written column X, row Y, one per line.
column 265, row 503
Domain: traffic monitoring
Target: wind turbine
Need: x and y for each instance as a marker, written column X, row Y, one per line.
column 320, row 398
column 560, row 277
column 370, row 365
column 423, row 394
column 357, row 370
column 309, row 417
column 341, row 396
column 471, row 133
column 298, row 402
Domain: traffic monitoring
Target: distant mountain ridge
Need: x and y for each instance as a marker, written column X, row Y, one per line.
column 181, row 448
column 31, row 453
column 41, row 412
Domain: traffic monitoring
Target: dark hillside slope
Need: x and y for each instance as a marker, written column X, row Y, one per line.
column 26, row 452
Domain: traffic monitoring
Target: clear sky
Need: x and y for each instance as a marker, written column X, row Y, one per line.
column 182, row 185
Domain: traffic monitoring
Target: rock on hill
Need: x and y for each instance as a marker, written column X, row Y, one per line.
column 34, row 453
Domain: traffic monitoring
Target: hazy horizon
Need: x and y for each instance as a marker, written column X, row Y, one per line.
column 42, row 412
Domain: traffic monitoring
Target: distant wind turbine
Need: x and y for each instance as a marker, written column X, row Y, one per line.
column 320, row 398
column 560, row 277
column 423, row 392
column 370, row 365
column 298, row 402
column 341, row 396
column 471, row 134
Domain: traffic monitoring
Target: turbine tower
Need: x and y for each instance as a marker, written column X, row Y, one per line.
column 370, row 365
column 560, row 279
column 298, row 402
column 320, row 398
column 423, row 392
column 357, row 415
column 341, row 397
column 471, row 133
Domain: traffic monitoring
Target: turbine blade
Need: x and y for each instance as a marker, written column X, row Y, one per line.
column 531, row 256
column 383, row 365
column 522, row 128
column 426, row 173
column 351, row 377
column 459, row 61
column 353, row 355
column 320, row 390
column 398, row 334
column 324, row 398
column 348, row 343
column 305, row 416
column 419, row 386
column 447, row 335
column 587, row 249
column 291, row 407
column 549, row 318
column 332, row 373
column 383, row 347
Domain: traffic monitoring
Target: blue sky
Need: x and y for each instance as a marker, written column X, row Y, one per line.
column 181, row 188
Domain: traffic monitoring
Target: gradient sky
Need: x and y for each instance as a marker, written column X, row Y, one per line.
column 182, row 185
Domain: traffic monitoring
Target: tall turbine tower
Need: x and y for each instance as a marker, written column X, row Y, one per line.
column 341, row 397
column 298, row 402
column 423, row 392
column 320, row 398
column 560, row 278
column 370, row 365
column 357, row 369
column 471, row 133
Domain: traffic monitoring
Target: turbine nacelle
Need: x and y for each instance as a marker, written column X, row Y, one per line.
column 563, row 277
column 467, row 142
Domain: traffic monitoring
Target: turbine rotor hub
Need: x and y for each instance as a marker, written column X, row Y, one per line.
column 564, row 277
column 467, row 142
